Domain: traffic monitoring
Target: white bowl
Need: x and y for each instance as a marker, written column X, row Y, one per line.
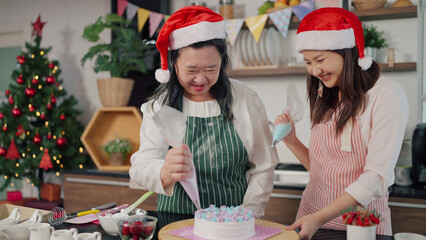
column 409, row 236
column 109, row 221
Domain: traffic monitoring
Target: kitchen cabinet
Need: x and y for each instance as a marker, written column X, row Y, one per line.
column 387, row 13
column 84, row 191
column 408, row 214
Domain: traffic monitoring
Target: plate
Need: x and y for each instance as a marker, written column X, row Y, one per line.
column 273, row 45
column 243, row 49
column 262, row 49
column 256, row 51
column 250, row 48
column 237, row 48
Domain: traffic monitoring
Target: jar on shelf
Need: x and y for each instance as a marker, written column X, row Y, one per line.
column 199, row 3
column 226, row 9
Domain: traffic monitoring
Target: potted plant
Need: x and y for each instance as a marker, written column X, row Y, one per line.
column 126, row 52
column 117, row 150
column 373, row 40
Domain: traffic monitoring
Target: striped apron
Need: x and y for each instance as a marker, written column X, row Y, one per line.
column 332, row 170
column 221, row 162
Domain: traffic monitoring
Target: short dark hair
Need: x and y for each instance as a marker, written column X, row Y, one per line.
column 222, row 90
column 354, row 84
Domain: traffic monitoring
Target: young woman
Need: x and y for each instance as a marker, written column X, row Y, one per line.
column 358, row 123
column 227, row 137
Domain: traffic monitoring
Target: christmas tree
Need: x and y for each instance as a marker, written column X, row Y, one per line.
column 39, row 127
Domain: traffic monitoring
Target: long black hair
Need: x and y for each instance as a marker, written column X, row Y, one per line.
column 221, row 91
column 353, row 86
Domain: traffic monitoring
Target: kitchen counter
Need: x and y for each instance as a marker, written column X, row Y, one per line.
column 166, row 218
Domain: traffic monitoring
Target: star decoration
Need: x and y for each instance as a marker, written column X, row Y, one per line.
column 37, row 26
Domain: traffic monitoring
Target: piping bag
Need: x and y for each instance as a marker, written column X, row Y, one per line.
column 295, row 108
column 172, row 125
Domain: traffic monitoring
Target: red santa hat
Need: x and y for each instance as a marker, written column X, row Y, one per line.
column 186, row 26
column 332, row 29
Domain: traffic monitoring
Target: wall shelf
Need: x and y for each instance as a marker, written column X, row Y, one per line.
column 105, row 125
column 260, row 71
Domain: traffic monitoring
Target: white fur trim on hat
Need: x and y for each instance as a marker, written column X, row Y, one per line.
column 194, row 33
column 365, row 62
column 325, row 40
column 162, row 76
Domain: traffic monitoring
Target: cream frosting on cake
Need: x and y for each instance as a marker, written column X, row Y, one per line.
column 233, row 223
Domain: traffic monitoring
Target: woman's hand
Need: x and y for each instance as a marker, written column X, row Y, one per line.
column 285, row 118
column 177, row 165
column 308, row 225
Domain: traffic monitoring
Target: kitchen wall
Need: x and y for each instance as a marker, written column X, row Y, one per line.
column 66, row 20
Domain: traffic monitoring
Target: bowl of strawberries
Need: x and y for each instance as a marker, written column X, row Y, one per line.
column 361, row 223
column 137, row 228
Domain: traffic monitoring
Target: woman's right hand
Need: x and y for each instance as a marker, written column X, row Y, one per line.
column 285, row 118
column 177, row 165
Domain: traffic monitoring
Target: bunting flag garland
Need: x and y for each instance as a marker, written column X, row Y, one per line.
column 143, row 15
column 329, row 3
column 12, row 152
column 154, row 20
column 303, row 9
column 232, row 28
column 121, row 6
column 281, row 20
column 256, row 24
column 45, row 162
column 132, row 9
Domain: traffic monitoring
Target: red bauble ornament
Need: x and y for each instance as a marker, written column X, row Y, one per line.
column 49, row 136
column 11, row 100
column 60, row 141
column 7, row 92
column 19, row 131
column 42, row 116
column 49, row 105
column 37, row 139
column 31, row 108
column 52, row 65
column 3, row 151
column 50, row 80
column 53, row 99
column 16, row 112
column 62, row 117
column 30, row 92
column 21, row 59
column 1, row 115
column 34, row 81
column 20, row 80
column 5, row 127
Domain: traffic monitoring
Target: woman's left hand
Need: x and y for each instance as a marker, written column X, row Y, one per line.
column 308, row 225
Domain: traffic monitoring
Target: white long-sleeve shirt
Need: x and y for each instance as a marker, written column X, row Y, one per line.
column 250, row 122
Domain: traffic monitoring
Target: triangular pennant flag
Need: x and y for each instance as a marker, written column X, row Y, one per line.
column 166, row 17
column 121, row 6
column 329, row 3
column 45, row 162
column 143, row 15
column 154, row 20
column 232, row 28
column 303, row 9
column 12, row 152
column 131, row 11
column 256, row 24
column 281, row 20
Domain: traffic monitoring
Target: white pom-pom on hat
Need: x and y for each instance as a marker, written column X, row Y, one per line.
column 187, row 26
column 331, row 29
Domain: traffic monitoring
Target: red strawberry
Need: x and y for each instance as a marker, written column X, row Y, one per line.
column 367, row 222
column 344, row 216
column 136, row 228
column 350, row 220
column 135, row 237
column 148, row 230
column 125, row 230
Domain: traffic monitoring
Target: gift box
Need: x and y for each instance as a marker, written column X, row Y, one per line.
column 50, row 192
column 14, row 195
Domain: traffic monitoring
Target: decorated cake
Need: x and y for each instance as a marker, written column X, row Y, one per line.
column 231, row 223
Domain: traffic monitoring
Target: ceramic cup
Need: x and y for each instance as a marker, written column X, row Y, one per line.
column 402, row 176
column 409, row 236
column 361, row 233
column 64, row 234
column 41, row 231
column 89, row 236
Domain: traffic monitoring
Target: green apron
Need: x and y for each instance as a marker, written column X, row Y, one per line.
column 221, row 162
